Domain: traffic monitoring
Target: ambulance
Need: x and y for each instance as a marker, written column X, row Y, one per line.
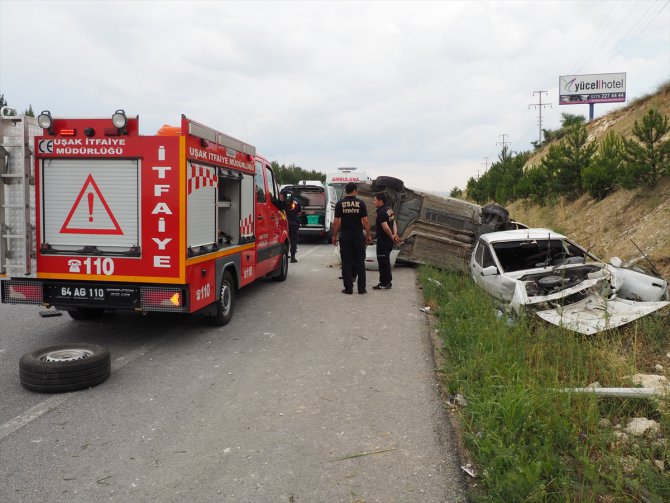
column 338, row 179
column 317, row 201
column 96, row 216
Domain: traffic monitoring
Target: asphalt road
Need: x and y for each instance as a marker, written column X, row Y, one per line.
column 308, row 395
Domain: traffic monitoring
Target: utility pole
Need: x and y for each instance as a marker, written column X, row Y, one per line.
column 486, row 165
column 539, row 105
column 503, row 142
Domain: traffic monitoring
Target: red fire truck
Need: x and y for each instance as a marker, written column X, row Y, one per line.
column 175, row 222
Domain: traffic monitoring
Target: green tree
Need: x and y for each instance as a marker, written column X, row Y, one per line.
column 535, row 184
column 569, row 120
column 577, row 154
column 475, row 191
column 647, row 155
column 456, row 192
column 551, row 164
column 601, row 177
column 508, row 188
column 29, row 112
column 566, row 160
column 499, row 183
column 292, row 174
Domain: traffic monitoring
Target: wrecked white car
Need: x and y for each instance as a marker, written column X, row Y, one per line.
column 563, row 283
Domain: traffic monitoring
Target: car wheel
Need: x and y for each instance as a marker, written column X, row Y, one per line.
column 283, row 266
column 65, row 367
column 225, row 304
column 85, row 313
column 390, row 182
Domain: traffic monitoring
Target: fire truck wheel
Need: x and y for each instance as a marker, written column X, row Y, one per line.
column 390, row 182
column 226, row 303
column 283, row 266
column 85, row 313
column 66, row 367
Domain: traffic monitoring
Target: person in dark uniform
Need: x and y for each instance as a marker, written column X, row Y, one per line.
column 293, row 209
column 386, row 230
column 351, row 218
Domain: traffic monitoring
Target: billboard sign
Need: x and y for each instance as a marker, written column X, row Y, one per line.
column 592, row 88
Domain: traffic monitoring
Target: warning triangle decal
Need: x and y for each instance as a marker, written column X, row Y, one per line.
column 87, row 216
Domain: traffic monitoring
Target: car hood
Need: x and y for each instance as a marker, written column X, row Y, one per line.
column 595, row 313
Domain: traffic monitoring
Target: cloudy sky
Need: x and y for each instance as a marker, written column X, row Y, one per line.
column 423, row 91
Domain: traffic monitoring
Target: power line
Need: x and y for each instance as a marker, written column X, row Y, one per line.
column 644, row 29
column 599, row 53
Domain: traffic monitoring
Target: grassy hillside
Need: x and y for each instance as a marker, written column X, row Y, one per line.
column 608, row 226
column 620, row 121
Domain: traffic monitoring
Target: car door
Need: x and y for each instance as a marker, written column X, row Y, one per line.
column 487, row 274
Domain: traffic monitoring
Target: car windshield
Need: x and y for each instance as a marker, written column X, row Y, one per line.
column 534, row 253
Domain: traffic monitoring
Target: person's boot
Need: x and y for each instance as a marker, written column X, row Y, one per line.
column 293, row 259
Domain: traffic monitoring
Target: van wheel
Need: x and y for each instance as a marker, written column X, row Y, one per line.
column 85, row 313
column 66, row 367
column 226, row 302
column 494, row 212
column 390, row 182
column 283, row 266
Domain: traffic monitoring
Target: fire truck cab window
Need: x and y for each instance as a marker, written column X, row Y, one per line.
column 271, row 183
column 260, row 183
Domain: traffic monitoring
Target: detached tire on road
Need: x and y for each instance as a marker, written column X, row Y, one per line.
column 65, row 367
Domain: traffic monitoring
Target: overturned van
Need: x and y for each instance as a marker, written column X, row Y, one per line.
column 434, row 229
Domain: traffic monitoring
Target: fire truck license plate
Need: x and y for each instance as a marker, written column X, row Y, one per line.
column 92, row 294
column 77, row 292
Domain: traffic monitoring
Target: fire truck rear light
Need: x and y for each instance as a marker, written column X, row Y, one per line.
column 161, row 299
column 67, row 132
column 175, row 299
column 112, row 131
column 22, row 292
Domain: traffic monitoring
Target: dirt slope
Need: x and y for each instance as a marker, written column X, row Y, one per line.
column 611, row 226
